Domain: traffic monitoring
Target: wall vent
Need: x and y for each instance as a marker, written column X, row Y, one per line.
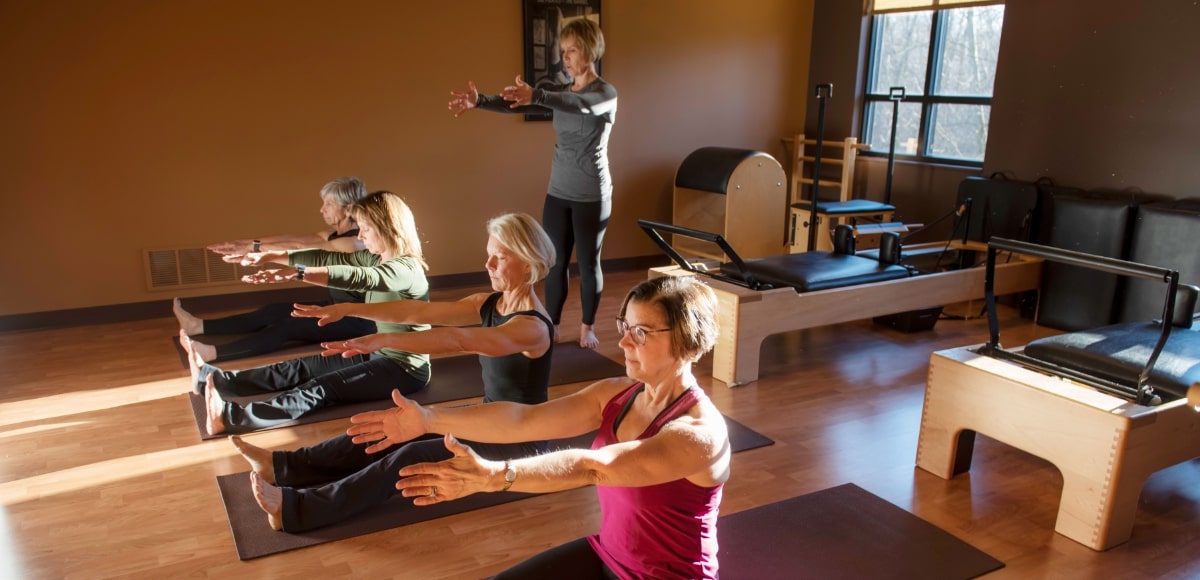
column 190, row 268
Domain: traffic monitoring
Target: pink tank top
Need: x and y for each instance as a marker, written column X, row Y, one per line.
column 660, row 531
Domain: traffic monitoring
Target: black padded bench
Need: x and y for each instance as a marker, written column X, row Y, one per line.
column 806, row 272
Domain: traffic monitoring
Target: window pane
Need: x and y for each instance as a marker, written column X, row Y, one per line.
column 901, row 52
column 970, row 45
column 879, row 129
column 959, row 131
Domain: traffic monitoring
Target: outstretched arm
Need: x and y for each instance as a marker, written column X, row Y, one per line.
column 284, row 242
column 521, row 334
column 463, row 312
column 497, row 422
column 695, row 447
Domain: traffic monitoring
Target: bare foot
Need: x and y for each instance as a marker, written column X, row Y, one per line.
column 216, row 408
column 185, row 341
column 187, row 323
column 269, row 498
column 587, row 338
column 260, row 459
column 203, row 352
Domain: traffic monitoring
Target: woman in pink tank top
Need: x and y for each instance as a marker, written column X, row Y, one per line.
column 659, row 460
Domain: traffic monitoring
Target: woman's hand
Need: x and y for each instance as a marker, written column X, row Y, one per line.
column 462, row 475
column 355, row 346
column 390, row 426
column 234, row 247
column 325, row 315
column 519, row 94
column 460, row 102
column 270, row 276
column 251, row 258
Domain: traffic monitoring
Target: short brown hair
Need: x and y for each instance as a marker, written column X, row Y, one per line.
column 691, row 309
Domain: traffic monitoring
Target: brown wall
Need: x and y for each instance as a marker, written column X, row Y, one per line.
column 132, row 125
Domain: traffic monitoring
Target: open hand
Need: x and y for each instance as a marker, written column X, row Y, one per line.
column 518, row 94
column 462, row 475
column 389, row 426
column 460, row 101
column 325, row 315
column 353, row 347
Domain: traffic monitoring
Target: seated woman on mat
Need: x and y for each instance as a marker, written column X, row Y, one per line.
column 272, row 326
column 336, row 479
column 659, row 461
column 391, row 268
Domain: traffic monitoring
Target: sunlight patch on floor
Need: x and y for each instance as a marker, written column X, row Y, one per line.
column 52, row 406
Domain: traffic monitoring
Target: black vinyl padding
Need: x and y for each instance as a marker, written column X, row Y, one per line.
column 999, row 207
column 1165, row 234
column 1075, row 298
column 1119, row 352
column 812, row 271
column 847, row 207
column 709, row 168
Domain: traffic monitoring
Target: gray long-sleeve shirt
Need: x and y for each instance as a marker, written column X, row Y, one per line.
column 583, row 121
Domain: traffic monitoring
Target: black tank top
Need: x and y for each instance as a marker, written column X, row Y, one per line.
column 514, row 377
column 338, row 295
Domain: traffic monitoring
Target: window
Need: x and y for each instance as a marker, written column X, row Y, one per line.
column 943, row 52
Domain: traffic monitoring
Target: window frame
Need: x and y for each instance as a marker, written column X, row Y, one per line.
column 926, row 99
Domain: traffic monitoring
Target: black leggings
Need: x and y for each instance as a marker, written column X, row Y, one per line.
column 576, row 560
column 304, row 385
column 336, row 479
column 579, row 225
column 273, row 325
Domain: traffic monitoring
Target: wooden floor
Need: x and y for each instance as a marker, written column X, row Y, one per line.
column 102, row 473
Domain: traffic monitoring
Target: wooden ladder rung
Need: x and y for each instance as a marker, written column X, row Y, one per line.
column 824, row 182
column 829, row 160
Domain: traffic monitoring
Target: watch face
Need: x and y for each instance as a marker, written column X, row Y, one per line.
column 510, row 475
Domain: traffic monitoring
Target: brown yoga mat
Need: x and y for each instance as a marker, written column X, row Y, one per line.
column 842, row 532
column 254, row 538
column 454, row 378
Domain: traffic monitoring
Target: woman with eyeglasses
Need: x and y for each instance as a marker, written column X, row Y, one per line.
column 659, row 460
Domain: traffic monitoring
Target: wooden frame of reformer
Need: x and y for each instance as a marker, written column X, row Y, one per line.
column 747, row 317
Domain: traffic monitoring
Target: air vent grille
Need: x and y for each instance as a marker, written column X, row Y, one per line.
column 190, row 267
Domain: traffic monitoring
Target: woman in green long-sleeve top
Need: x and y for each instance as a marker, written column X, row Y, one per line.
column 391, row 267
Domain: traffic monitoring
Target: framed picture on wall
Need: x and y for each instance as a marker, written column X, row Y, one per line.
column 543, row 59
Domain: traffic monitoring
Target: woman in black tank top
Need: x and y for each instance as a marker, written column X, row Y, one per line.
column 509, row 330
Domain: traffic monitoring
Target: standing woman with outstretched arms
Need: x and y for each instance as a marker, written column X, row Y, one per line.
column 579, row 196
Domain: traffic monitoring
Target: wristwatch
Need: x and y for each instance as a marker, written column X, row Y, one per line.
column 257, row 246
column 299, row 272
column 510, row 475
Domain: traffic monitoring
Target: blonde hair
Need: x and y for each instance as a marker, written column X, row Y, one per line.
column 587, row 32
column 524, row 236
column 691, row 309
column 395, row 222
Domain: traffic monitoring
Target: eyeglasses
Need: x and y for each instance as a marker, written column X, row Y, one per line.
column 637, row 333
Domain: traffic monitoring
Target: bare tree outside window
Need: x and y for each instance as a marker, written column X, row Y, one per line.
column 946, row 61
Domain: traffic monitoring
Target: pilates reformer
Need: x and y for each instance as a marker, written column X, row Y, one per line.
column 760, row 297
column 1107, row 406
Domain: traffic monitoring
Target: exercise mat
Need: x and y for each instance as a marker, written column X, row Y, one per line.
column 842, row 532
column 254, row 538
column 454, row 378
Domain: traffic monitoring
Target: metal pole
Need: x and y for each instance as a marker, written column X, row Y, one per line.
column 895, row 94
column 816, row 178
